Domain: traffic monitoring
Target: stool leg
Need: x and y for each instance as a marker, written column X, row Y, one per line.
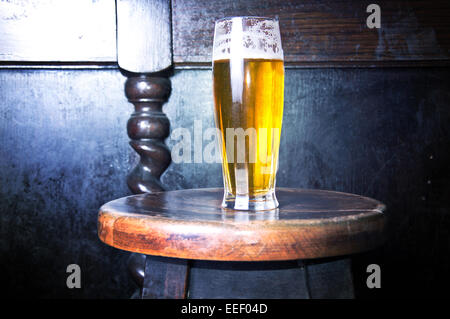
column 329, row 278
column 165, row 278
column 136, row 268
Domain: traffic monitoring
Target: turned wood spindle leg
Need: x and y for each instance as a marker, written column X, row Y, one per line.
column 144, row 50
column 147, row 129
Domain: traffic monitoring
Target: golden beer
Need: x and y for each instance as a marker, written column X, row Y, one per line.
column 261, row 108
column 248, row 80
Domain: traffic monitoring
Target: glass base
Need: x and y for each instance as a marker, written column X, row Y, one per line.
column 250, row 203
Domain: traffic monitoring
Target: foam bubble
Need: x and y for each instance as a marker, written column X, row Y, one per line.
column 247, row 38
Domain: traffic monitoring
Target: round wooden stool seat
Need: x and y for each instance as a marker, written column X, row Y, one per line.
column 190, row 224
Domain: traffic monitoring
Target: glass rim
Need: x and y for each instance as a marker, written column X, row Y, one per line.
column 247, row 17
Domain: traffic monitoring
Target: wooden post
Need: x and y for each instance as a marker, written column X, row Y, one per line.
column 147, row 128
column 144, row 53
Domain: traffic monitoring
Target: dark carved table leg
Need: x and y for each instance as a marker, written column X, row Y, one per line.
column 147, row 128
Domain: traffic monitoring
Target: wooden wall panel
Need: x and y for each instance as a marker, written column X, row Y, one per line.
column 143, row 35
column 324, row 32
column 314, row 32
column 57, row 31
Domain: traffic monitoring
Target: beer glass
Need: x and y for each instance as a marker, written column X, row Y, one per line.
column 248, row 80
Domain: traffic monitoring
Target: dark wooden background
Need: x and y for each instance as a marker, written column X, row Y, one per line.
column 323, row 33
column 371, row 119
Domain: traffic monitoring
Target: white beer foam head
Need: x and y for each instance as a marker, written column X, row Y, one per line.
column 247, row 38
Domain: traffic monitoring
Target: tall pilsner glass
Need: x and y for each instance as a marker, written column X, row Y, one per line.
column 248, row 75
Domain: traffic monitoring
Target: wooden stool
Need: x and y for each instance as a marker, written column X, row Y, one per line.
column 196, row 249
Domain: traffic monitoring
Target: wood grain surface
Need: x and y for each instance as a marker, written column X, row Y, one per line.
column 191, row 224
column 324, row 33
column 143, row 35
column 315, row 33
column 58, row 31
